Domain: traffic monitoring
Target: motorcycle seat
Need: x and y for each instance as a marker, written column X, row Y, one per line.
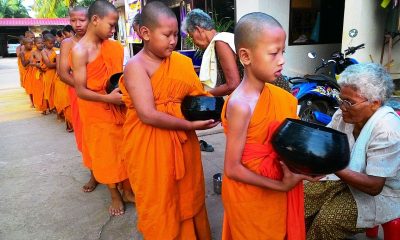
column 322, row 78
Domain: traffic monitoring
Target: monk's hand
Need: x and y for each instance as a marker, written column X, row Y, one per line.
column 290, row 179
column 202, row 125
column 115, row 97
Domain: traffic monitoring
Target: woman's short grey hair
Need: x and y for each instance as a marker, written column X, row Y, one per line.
column 370, row 79
column 197, row 18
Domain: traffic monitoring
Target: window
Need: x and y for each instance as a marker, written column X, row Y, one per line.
column 316, row 21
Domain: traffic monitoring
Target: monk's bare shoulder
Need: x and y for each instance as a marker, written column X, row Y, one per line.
column 66, row 45
column 238, row 109
column 79, row 54
column 135, row 72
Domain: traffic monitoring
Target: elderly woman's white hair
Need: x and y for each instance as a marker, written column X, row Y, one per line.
column 197, row 18
column 370, row 79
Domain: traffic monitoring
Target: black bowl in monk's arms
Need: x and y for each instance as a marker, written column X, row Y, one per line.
column 311, row 149
column 202, row 108
column 112, row 83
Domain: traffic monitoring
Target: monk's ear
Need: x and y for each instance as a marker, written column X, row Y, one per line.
column 145, row 33
column 95, row 20
column 244, row 56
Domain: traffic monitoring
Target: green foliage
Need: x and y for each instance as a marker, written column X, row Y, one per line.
column 12, row 9
column 52, row 8
column 85, row 3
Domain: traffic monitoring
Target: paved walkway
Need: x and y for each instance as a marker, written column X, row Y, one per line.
column 41, row 176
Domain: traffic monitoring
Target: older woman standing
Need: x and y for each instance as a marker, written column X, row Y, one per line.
column 367, row 192
column 219, row 68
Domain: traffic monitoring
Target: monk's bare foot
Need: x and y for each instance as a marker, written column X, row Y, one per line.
column 91, row 185
column 128, row 196
column 117, row 206
column 69, row 127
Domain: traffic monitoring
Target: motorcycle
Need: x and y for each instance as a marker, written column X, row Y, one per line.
column 318, row 94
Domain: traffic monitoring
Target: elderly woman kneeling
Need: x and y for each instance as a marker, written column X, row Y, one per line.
column 367, row 192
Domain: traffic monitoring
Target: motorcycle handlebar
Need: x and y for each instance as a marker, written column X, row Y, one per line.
column 352, row 50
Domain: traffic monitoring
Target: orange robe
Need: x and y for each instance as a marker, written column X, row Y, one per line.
column 61, row 98
column 29, row 75
column 21, row 70
column 38, row 90
column 164, row 166
column 48, row 80
column 102, row 122
column 76, row 120
column 252, row 212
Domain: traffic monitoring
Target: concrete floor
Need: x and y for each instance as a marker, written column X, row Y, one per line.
column 41, row 176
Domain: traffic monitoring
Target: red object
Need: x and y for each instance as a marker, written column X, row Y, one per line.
column 33, row 21
column 391, row 230
column 270, row 167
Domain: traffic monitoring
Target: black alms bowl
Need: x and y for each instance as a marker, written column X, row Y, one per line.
column 112, row 83
column 202, row 108
column 311, row 149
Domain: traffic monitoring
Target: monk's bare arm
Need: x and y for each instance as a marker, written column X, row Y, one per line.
column 139, row 88
column 238, row 115
column 18, row 50
column 64, row 70
column 46, row 61
column 227, row 59
column 79, row 64
column 24, row 61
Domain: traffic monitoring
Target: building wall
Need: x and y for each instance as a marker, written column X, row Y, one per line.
column 297, row 62
column 369, row 20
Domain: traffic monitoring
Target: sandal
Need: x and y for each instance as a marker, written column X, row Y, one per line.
column 205, row 147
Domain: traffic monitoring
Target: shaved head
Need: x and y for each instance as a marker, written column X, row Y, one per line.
column 77, row 9
column 27, row 40
column 49, row 37
column 29, row 34
column 152, row 12
column 250, row 26
column 101, row 8
column 38, row 39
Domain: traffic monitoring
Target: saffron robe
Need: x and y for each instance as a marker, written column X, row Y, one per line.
column 253, row 212
column 21, row 70
column 38, row 90
column 164, row 166
column 102, row 122
column 76, row 120
column 61, row 98
column 48, row 79
column 28, row 77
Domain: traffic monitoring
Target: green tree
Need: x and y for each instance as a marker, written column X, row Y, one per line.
column 12, row 9
column 52, row 8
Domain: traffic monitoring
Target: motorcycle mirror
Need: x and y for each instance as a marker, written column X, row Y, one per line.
column 353, row 33
column 312, row 55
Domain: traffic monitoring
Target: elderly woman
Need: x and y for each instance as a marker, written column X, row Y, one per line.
column 367, row 192
column 219, row 68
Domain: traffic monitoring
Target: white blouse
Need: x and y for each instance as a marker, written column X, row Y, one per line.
column 383, row 160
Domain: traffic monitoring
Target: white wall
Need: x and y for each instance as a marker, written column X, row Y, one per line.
column 369, row 20
column 297, row 62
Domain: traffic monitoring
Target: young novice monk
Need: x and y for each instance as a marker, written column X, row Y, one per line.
column 24, row 57
column 161, row 147
column 254, row 191
column 49, row 67
column 37, row 82
column 21, row 68
column 94, row 60
column 79, row 22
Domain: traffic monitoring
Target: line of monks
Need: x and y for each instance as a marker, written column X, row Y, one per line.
column 135, row 138
column 37, row 64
